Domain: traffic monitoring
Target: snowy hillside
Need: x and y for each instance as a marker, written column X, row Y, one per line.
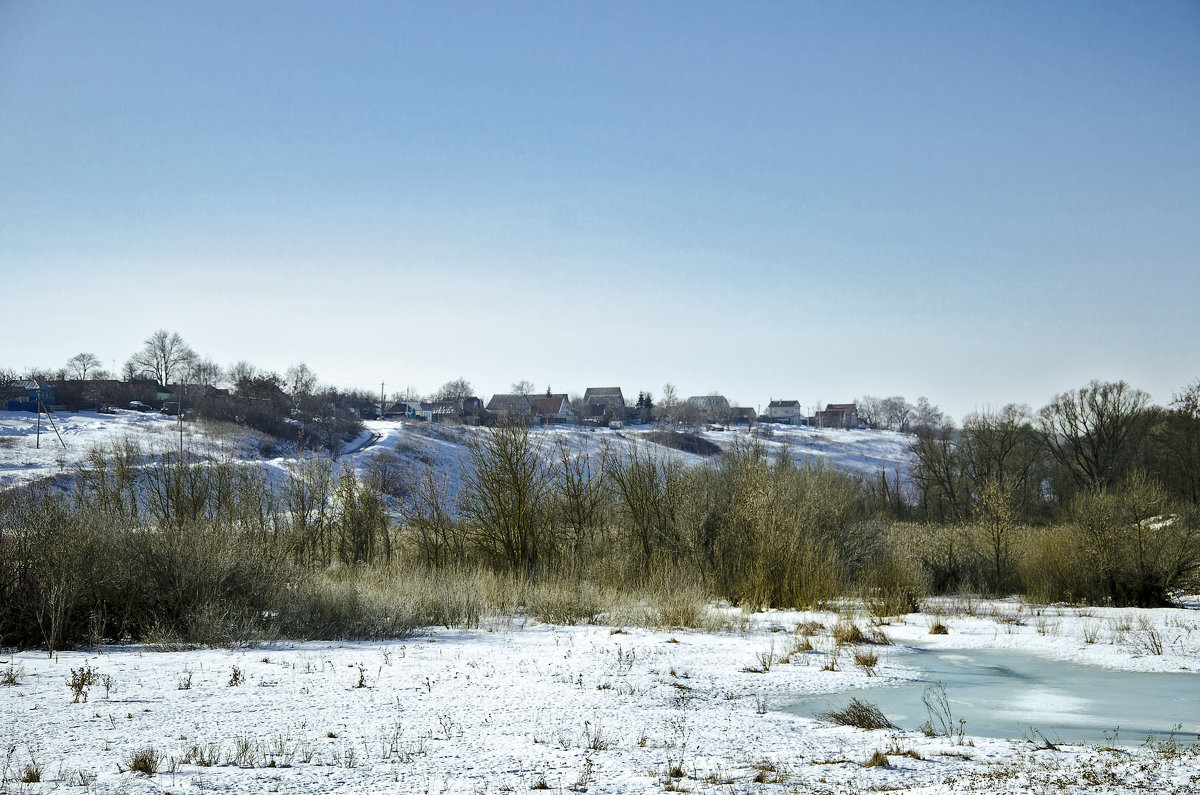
column 23, row 459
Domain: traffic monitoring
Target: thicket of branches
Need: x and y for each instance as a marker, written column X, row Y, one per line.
column 1093, row 497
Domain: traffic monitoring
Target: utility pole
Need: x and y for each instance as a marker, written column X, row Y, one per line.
column 381, row 400
column 179, row 408
column 40, row 407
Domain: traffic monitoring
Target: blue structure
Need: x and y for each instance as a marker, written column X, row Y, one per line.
column 33, row 390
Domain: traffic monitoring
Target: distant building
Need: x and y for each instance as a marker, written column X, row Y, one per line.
column 603, row 401
column 509, row 404
column 23, row 395
column 453, row 411
column 788, row 411
column 742, row 415
column 837, row 415
column 715, row 408
column 552, row 410
column 408, row 410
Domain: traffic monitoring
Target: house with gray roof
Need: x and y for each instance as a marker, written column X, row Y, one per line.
column 510, row 404
column 788, row 411
column 603, row 401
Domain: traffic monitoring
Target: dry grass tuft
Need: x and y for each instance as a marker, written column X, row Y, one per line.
column 860, row 714
column 877, row 760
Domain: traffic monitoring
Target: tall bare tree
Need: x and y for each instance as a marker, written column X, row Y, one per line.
column 205, row 372
column 300, row 382
column 1089, row 431
column 81, row 365
column 668, row 405
column 506, row 495
column 870, row 410
column 898, row 413
column 457, row 390
column 164, row 356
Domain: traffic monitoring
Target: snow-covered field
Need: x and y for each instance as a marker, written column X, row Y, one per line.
column 25, row 458
column 515, row 704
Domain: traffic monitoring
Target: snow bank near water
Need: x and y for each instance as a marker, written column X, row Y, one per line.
column 600, row 709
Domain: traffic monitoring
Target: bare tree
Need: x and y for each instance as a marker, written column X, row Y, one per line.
column 241, row 372
column 1002, row 447
column 506, row 494
column 579, row 492
column 457, row 390
column 1183, row 448
column 523, row 387
column 668, row 405
column 428, row 511
column 898, row 413
column 81, row 364
column 300, row 382
column 928, row 419
column 164, row 356
column 1088, row 431
column 205, row 372
column 938, row 475
column 870, row 411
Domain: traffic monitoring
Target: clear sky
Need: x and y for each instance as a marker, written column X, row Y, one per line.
column 978, row 202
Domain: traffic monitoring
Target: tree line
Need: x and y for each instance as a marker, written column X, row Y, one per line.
column 293, row 406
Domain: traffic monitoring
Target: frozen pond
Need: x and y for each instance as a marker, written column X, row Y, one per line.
column 1008, row 694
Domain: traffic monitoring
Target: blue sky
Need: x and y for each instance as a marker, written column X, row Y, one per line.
column 978, row 202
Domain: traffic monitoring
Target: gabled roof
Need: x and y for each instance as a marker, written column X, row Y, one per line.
column 846, row 408
column 602, row 394
column 709, row 401
column 548, row 405
column 784, row 404
column 508, row 403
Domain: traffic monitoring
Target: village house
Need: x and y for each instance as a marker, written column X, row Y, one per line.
column 714, row 408
column 603, row 401
column 786, row 411
column 23, row 395
column 508, row 404
column 552, row 410
column 837, row 415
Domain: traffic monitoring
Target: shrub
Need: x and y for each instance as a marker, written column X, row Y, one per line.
column 685, row 442
column 866, row 659
column 774, row 534
column 80, row 680
column 566, row 603
column 892, row 584
column 147, row 761
column 877, row 760
column 860, row 714
column 11, row 675
column 31, row 773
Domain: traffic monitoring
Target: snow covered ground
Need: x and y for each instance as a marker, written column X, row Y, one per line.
column 25, row 458
column 21, row 461
column 515, row 705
